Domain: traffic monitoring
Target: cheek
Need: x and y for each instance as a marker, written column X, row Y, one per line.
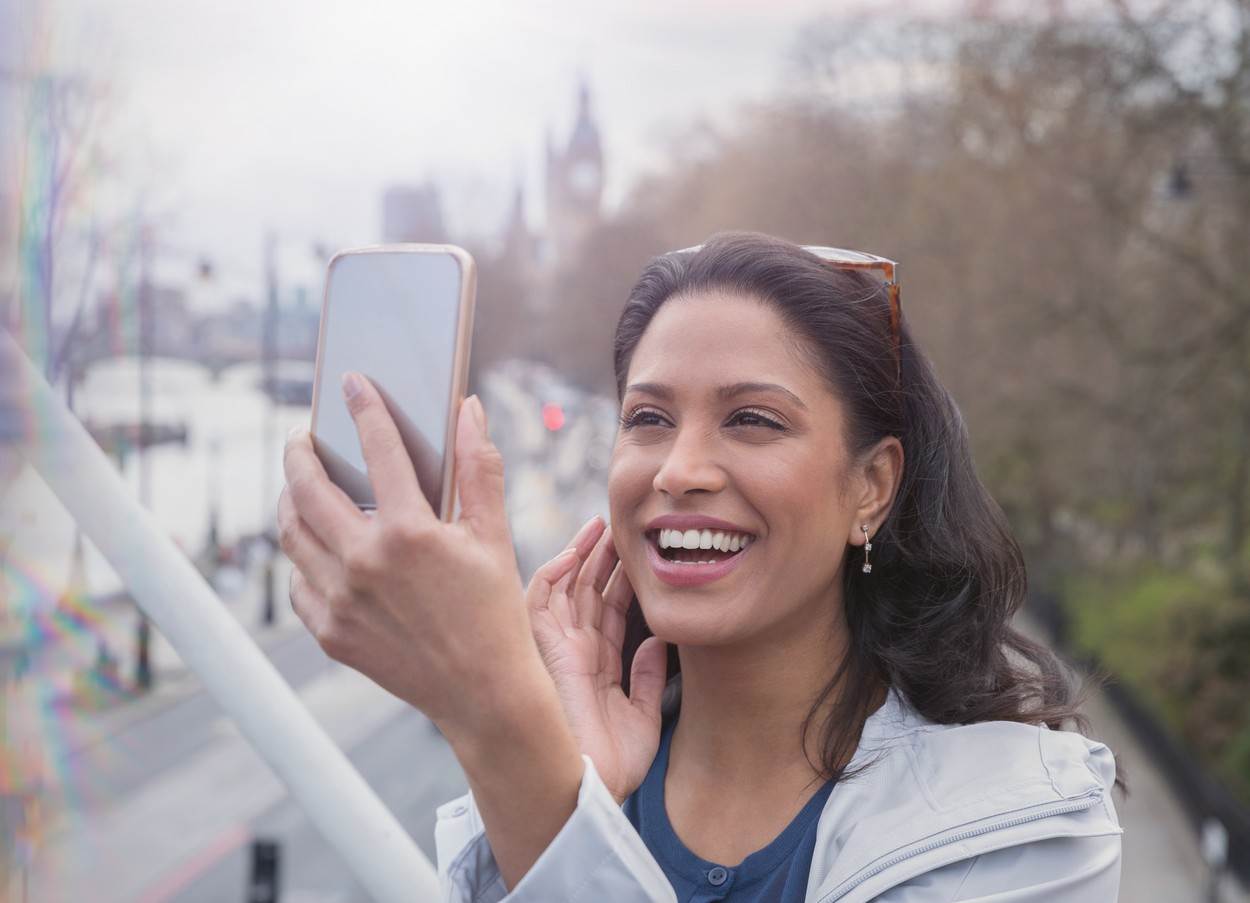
column 629, row 480
column 801, row 498
column 788, row 479
column 629, row 487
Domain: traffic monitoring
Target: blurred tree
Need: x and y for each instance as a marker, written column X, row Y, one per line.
column 1069, row 196
column 588, row 294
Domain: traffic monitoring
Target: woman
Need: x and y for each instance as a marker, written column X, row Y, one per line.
column 795, row 514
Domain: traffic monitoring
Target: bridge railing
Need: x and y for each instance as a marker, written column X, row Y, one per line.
column 338, row 801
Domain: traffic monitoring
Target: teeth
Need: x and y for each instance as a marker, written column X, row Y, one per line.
column 703, row 539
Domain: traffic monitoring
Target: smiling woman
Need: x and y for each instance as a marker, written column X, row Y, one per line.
column 878, row 453
column 827, row 726
column 715, row 698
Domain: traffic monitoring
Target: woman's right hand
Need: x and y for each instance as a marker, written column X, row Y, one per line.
column 577, row 604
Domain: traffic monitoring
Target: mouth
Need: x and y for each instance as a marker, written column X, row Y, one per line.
column 698, row 546
column 692, row 557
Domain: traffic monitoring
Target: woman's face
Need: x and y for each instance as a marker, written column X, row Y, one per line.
column 726, row 429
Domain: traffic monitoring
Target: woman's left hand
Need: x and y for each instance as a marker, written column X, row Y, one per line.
column 577, row 606
column 431, row 611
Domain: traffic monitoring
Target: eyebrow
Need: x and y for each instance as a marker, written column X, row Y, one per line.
column 724, row 393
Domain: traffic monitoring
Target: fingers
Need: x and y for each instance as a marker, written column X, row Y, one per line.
column 479, row 475
column 301, row 545
column 309, row 605
column 584, row 542
column 321, row 505
column 616, row 600
column 561, row 603
column 647, row 676
column 561, row 573
column 390, row 468
column 588, row 590
column 585, row 538
column 538, row 596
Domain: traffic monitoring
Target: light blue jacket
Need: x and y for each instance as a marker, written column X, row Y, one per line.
column 996, row 812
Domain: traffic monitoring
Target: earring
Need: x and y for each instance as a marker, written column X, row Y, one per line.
column 867, row 548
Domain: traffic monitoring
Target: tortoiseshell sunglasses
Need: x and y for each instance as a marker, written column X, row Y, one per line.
column 845, row 259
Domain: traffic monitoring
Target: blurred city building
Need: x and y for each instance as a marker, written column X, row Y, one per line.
column 573, row 191
column 522, row 263
column 530, row 259
column 574, row 183
column 216, row 338
column 413, row 214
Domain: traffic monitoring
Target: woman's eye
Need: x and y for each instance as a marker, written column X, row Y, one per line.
column 746, row 417
column 640, row 417
column 755, row 418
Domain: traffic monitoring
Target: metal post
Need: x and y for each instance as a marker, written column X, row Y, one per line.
column 143, row 640
column 269, row 354
column 1215, row 853
column 166, row 584
column 265, row 881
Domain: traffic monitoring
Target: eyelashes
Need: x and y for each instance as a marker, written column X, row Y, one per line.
column 642, row 416
column 634, row 418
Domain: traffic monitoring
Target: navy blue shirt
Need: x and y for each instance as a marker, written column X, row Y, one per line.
column 775, row 874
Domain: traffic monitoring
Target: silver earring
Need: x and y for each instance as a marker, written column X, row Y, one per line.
column 867, row 548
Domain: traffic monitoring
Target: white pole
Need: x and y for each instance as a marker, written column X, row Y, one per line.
column 167, row 586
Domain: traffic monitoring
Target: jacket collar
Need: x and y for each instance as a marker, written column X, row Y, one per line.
column 927, row 786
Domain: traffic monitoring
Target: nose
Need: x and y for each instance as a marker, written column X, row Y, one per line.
column 689, row 466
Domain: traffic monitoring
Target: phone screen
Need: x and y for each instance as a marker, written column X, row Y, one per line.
column 393, row 316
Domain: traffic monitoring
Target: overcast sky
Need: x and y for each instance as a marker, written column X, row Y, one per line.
column 242, row 115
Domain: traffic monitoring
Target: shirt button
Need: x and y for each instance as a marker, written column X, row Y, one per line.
column 717, row 876
column 459, row 810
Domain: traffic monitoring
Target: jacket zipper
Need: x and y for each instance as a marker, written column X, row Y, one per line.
column 1082, row 802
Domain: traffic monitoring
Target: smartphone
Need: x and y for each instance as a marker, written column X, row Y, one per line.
column 401, row 315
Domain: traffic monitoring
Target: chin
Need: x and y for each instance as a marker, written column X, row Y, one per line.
column 687, row 622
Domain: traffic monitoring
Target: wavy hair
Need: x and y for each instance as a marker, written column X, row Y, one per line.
column 933, row 619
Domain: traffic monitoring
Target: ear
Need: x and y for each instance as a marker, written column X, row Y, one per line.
column 874, row 485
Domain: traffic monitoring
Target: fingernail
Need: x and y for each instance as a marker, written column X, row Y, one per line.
column 479, row 415
column 352, row 384
column 583, row 532
column 294, row 431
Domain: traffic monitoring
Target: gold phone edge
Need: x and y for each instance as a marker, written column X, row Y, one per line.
column 460, row 373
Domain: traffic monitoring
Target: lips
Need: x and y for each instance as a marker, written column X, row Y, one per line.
column 687, row 574
column 694, row 522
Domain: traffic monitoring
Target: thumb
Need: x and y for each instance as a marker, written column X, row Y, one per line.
column 479, row 474
column 647, row 676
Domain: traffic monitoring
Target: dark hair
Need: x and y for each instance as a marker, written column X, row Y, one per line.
column 933, row 619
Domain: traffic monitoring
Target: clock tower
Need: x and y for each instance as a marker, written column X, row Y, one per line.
column 574, row 183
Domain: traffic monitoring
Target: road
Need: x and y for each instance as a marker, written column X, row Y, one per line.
column 186, row 794
column 1162, row 860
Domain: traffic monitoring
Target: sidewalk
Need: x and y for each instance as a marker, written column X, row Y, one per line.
column 60, row 709
column 154, row 841
column 1162, row 860
column 172, row 680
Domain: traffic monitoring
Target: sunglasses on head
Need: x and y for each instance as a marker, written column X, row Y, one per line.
column 844, row 259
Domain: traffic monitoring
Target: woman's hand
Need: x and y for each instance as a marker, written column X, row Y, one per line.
column 434, row 613
column 430, row 611
column 577, row 604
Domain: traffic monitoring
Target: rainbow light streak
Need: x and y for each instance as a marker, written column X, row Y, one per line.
column 58, row 628
column 43, row 703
